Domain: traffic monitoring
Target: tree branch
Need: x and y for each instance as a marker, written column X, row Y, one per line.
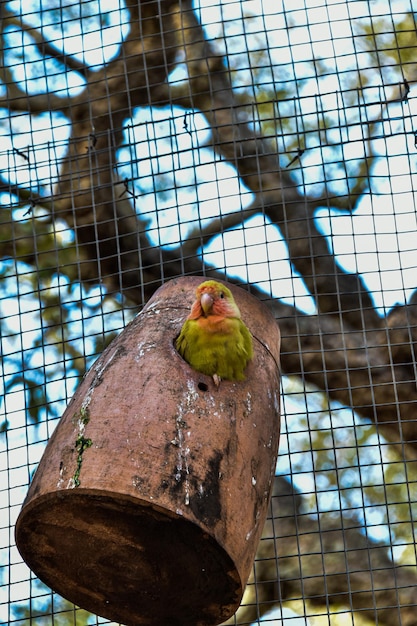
column 209, row 89
column 325, row 560
column 358, row 369
column 45, row 48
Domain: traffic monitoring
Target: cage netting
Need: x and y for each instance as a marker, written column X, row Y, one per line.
column 271, row 144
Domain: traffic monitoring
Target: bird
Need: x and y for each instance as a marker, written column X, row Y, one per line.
column 214, row 340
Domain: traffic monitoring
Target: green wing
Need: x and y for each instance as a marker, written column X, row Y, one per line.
column 225, row 354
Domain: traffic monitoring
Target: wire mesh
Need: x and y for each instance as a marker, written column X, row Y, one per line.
column 272, row 144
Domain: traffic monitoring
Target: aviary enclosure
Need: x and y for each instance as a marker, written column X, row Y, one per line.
column 269, row 144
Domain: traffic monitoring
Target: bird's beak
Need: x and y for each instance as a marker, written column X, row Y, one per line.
column 206, row 302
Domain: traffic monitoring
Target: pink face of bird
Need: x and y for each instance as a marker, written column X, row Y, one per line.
column 214, row 299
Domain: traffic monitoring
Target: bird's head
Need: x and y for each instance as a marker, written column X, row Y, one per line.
column 213, row 298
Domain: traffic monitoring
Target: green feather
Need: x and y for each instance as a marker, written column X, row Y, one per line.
column 222, row 348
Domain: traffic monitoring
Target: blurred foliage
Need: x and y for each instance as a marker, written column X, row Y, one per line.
column 49, row 609
column 341, row 463
column 52, row 326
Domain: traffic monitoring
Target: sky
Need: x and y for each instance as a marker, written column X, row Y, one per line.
column 378, row 239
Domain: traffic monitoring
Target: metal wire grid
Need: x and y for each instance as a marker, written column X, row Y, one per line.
column 321, row 92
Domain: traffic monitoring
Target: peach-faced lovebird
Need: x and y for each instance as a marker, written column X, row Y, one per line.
column 213, row 339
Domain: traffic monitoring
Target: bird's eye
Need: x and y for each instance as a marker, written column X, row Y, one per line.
column 221, row 294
